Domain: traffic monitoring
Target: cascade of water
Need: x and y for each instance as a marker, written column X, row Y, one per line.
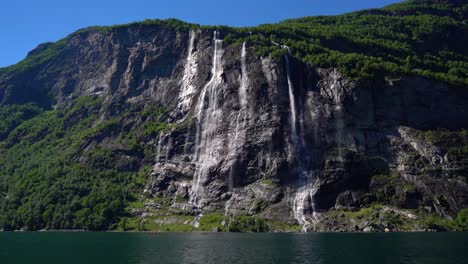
column 236, row 144
column 208, row 114
column 244, row 78
column 158, row 148
column 292, row 101
column 303, row 203
column 190, row 72
column 339, row 122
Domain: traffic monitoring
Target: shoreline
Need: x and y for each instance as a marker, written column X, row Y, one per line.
column 212, row 232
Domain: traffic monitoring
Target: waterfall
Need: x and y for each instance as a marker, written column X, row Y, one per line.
column 307, row 184
column 158, row 148
column 339, row 123
column 190, row 72
column 208, row 114
column 244, row 79
column 187, row 87
column 292, row 102
column 304, row 202
column 236, row 144
column 304, row 205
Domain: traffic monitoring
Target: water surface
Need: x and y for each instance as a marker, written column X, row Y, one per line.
column 227, row 248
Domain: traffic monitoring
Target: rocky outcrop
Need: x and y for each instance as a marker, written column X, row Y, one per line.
column 260, row 136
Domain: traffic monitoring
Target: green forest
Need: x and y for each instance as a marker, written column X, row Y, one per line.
column 43, row 185
column 414, row 37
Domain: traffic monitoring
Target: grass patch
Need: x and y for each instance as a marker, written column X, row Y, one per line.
column 270, row 182
column 279, row 226
column 213, row 221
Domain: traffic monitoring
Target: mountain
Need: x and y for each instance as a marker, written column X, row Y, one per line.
column 355, row 122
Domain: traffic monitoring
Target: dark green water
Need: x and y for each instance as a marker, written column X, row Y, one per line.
column 90, row 248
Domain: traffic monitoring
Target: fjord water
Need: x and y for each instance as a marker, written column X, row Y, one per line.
column 226, row 248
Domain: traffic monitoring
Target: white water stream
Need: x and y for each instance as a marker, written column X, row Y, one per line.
column 304, row 206
column 158, row 148
column 236, row 144
column 208, row 114
column 190, row 72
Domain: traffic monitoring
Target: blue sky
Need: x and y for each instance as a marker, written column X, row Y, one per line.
column 26, row 23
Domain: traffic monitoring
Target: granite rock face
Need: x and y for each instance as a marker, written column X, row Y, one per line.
column 250, row 135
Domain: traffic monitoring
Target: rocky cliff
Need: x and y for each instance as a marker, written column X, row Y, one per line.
column 221, row 132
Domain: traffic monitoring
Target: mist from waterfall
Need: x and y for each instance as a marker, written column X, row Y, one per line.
column 208, row 115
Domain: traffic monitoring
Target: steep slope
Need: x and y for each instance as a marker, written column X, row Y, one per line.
column 321, row 123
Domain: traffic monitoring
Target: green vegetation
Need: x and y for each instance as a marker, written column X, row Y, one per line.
column 418, row 37
column 280, row 226
column 69, row 169
column 177, row 223
column 45, row 185
column 166, row 23
column 153, row 121
column 462, row 220
column 434, row 222
column 392, row 190
column 270, row 182
column 380, row 215
column 248, row 224
column 43, row 54
column 376, row 215
column 213, row 222
column 454, row 143
column 58, row 172
column 240, row 223
column 12, row 116
column 460, row 223
column 415, row 37
column 219, row 222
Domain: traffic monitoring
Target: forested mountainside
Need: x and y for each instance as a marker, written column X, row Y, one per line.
column 355, row 122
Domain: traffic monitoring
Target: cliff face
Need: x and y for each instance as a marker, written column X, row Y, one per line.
column 246, row 135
